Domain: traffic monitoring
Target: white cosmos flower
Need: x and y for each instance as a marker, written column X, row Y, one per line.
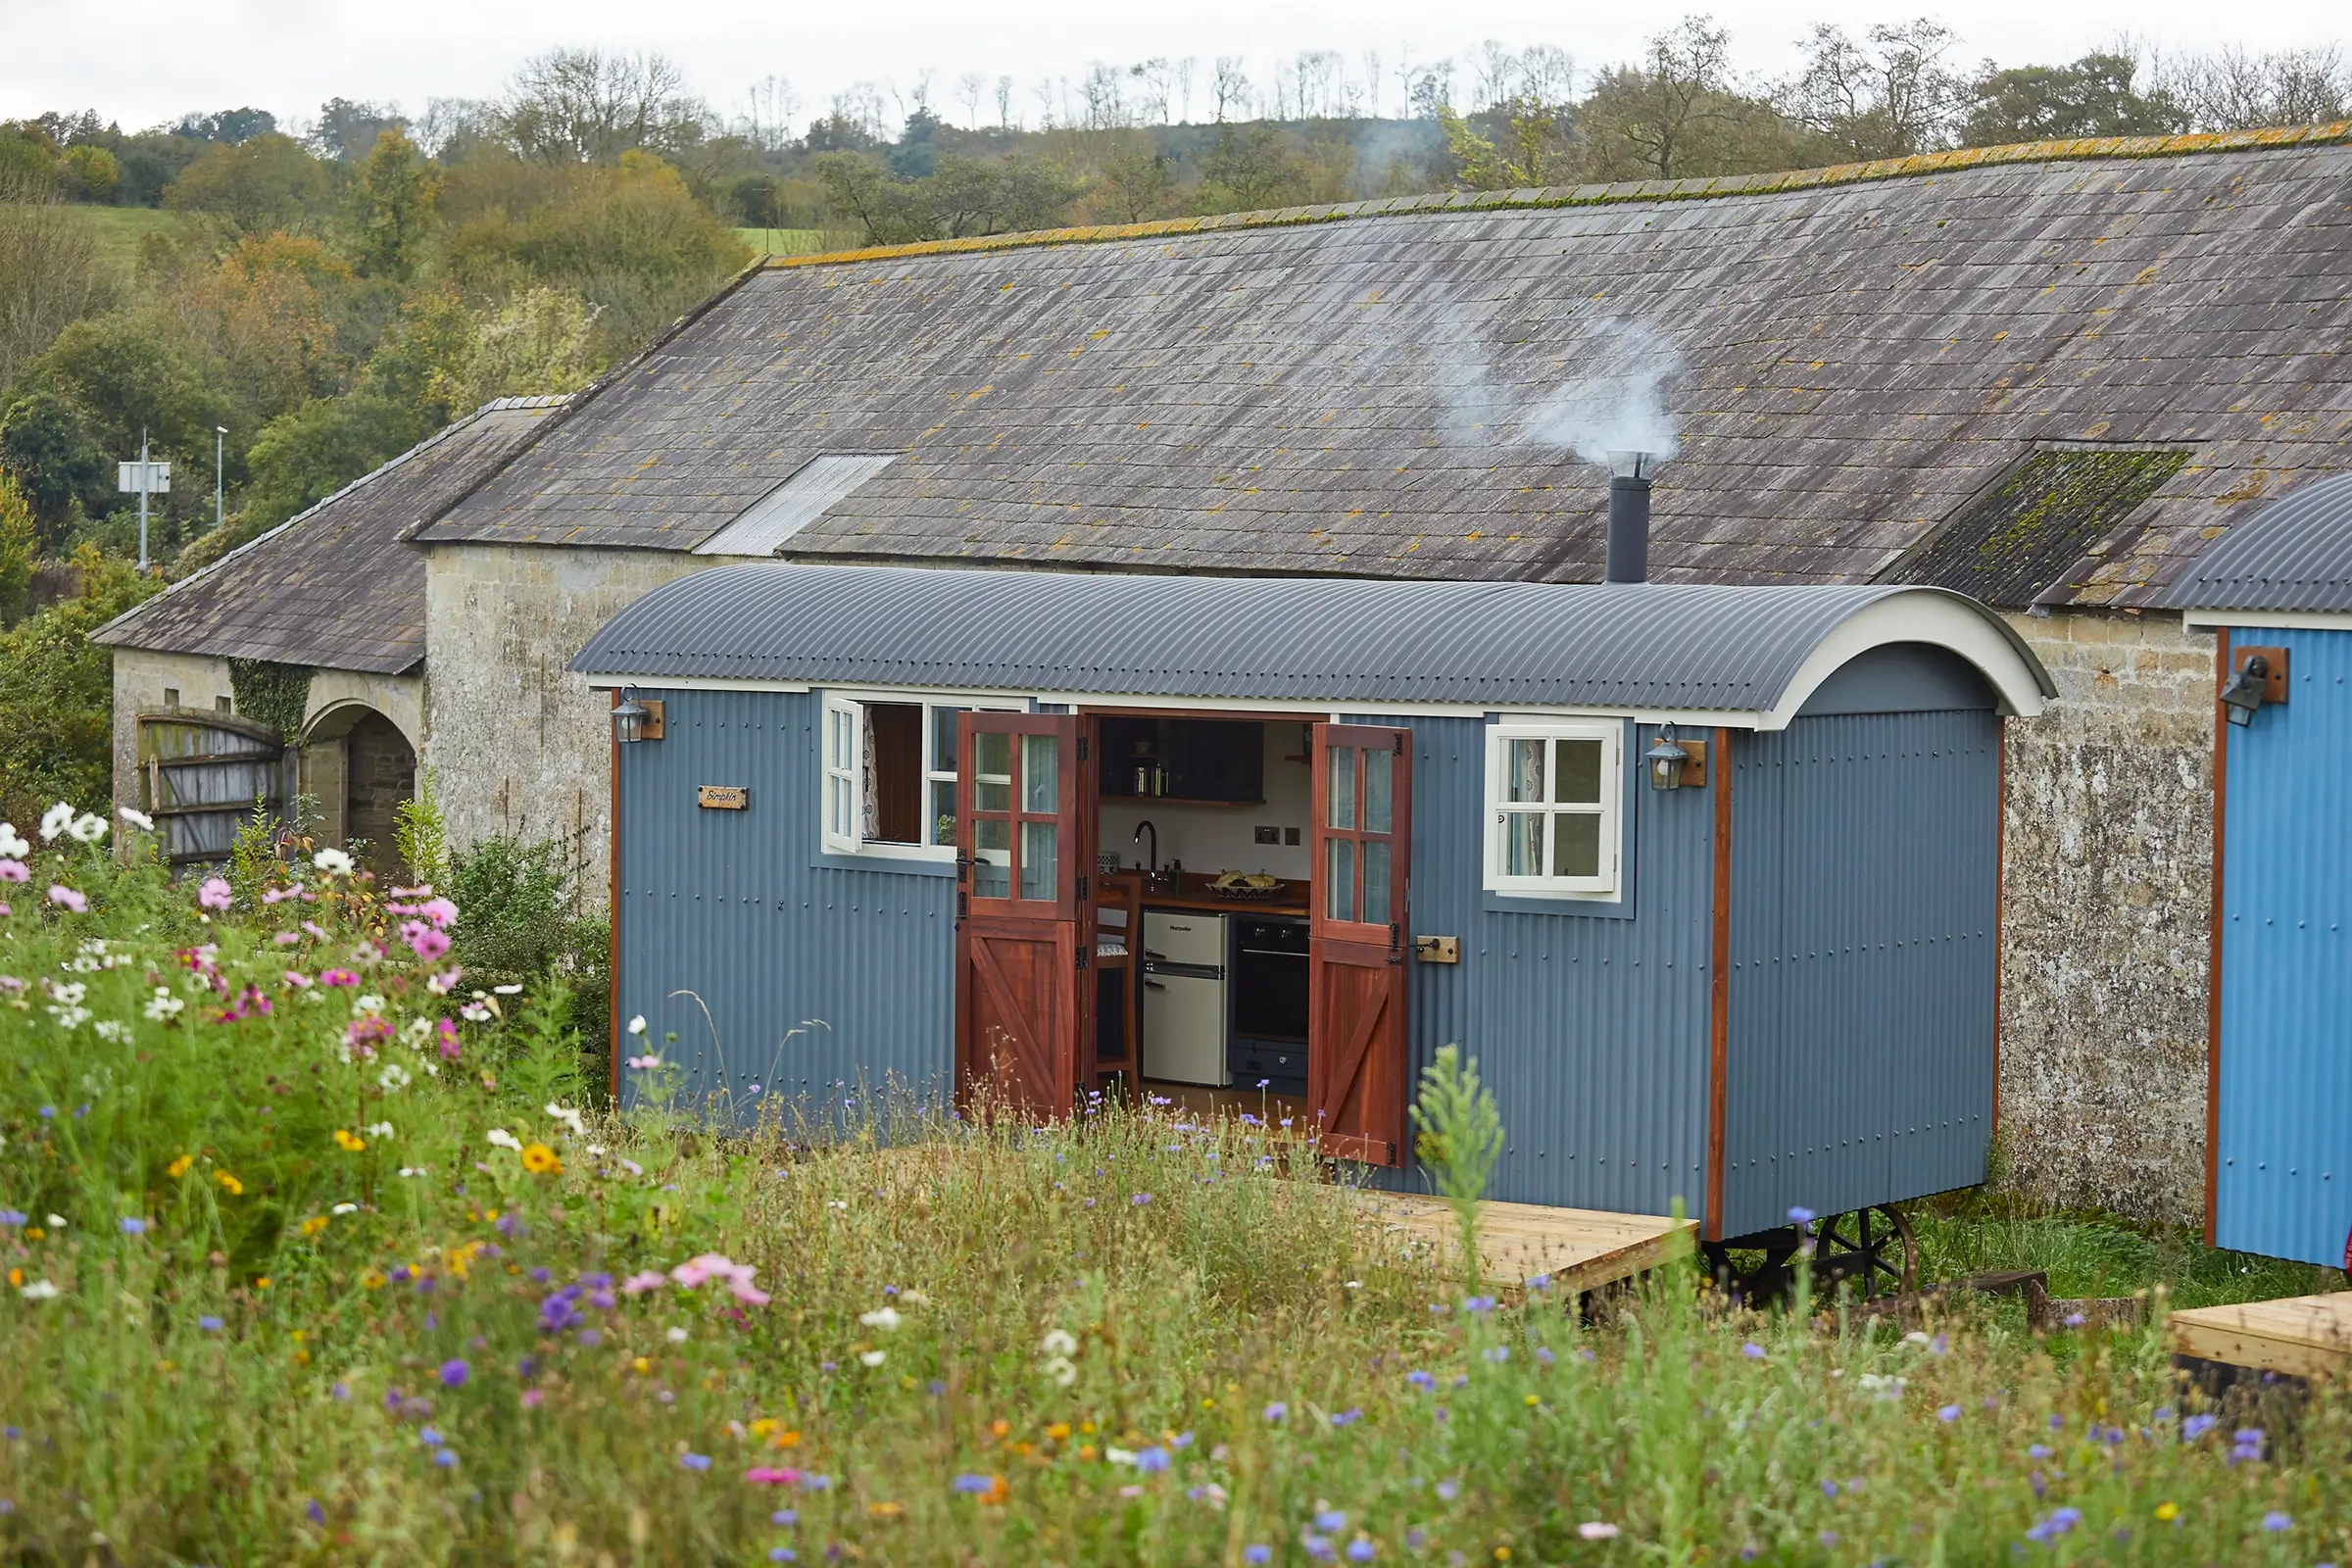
column 637, row 1024
column 379, row 1129
column 86, row 828
column 881, row 1317
column 333, row 862
column 136, row 819
column 108, row 1029
column 370, row 1003
column 1062, row 1370
column 500, row 1138
column 1058, row 1341
column 11, row 844
column 508, row 990
column 38, row 1290
column 394, row 1077
column 676, row 1336
column 568, row 1117
column 55, row 821
column 416, row 1171
column 873, row 1357
column 347, row 1209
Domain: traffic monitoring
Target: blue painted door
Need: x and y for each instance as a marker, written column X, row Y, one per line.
column 2284, row 1168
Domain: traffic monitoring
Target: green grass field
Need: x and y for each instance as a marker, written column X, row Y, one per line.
column 316, row 1255
column 121, row 229
column 785, row 241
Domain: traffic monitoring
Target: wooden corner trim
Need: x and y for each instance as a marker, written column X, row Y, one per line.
column 2213, row 956
column 612, row 916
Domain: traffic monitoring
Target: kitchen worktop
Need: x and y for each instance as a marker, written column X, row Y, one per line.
column 1191, row 891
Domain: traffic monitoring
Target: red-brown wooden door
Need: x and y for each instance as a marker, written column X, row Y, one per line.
column 1020, row 945
column 1355, row 1054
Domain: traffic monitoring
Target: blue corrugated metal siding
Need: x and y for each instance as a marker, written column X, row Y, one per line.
column 1862, row 994
column 814, row 976
column 1591, row 1029
column 2285, row 1147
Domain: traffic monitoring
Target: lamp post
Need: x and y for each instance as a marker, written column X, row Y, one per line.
column 220, row 434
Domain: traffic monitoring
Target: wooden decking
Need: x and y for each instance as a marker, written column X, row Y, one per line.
column 1576, row 1249
column 2303, row 1335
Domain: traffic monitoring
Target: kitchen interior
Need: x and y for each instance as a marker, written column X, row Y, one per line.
column 1206, row 821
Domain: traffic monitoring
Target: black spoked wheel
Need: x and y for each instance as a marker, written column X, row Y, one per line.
column 1870, row 1250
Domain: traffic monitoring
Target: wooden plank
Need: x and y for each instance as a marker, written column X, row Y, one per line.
column 2305, row 1336
column 1578, row 1248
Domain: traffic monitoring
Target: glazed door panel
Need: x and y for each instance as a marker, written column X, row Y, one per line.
column 1357, row 1028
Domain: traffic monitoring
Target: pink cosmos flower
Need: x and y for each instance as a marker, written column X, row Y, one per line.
column 645, row 1063
column 339, row 977
column 442, row 984
column 695, row 1271
column 64, row 897
column 215, row 894
column 365, row 1035
column 280, row 895
column 446, row 1030
column 769, row 1475
column 14, row 871
column 429, row 945
column 286, row 939
column 532, row 1396
column 745, row 1291
column 312, row 928
column 652, row 1279
column 297, row 979
column 6, row 912
column 440, row 911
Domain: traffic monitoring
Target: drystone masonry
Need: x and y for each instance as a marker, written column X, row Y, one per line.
column 2106, row 912
column 515, row 744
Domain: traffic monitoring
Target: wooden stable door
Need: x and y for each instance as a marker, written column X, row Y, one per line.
column 1355, row 1055
column 1021, row 946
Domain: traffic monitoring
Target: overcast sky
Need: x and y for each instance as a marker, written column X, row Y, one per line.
column 144, row 62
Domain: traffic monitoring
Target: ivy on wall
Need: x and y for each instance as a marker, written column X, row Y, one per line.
column 273, row 694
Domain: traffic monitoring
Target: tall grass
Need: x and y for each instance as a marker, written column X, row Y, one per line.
column 1132, row 1338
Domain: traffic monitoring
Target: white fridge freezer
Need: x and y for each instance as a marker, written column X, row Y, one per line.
column 1183, row 998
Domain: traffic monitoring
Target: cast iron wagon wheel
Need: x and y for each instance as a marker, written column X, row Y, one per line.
column 1871, row 1249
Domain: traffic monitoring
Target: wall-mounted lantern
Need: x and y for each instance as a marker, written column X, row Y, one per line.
column 633, row 721
column 1675, row 763
column 2260, row 678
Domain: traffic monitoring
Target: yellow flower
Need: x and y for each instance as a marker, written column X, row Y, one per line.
column 372, row 1281
column 314, row 1225
column 886, row 1510
column 348, row 1141
column 234, row 1187
column 261, row 1282
column 541, row 1161
column 1533, row 1400
column 640, row 1364
column 16, row 1278
column 2167, row 1512
column 763, row 1426
column 179, row 1167
column 1060, row 1432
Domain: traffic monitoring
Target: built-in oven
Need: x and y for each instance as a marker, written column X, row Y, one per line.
column 1267, row 987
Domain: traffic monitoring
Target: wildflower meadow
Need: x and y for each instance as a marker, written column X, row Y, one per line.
column 316, row 1251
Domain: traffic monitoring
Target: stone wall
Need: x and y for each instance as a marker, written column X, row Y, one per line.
column 2106, row 895
column 517, row 745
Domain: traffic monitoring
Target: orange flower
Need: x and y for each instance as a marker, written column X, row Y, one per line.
column 179, row 1167
column 314, row 1225
column 234, row 1187
column 348, row 1141
column 541, row 1161
column 886, row 1510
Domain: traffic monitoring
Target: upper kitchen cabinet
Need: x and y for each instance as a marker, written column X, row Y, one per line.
column 1220, row 762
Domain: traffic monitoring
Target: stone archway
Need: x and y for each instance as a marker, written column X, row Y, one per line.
column 359, row 766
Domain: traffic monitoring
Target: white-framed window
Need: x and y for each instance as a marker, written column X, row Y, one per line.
column 1554, row 799
column 889, row 773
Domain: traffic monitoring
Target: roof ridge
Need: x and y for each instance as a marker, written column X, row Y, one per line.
column 2074, row 150
column 493, row 405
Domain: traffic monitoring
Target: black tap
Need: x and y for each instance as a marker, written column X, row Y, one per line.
column 1142, row 828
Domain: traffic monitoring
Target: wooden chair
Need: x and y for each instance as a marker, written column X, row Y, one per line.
column 1118, row 937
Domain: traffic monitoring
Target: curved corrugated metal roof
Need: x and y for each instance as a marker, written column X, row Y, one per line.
column 2294, row 555
column 1322, row 640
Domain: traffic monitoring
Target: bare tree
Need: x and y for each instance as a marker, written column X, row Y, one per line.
column 1371, row 58
column 1547, row 73
column 1887, row 96
column 1231, row 87
column 1184, row 88
column 971, row 90
column 2231, row 89
column 571, row 106
column 860, row 105
column 1105, row 102
column 1498, row 71
column 772, row 108
column 1004, row 103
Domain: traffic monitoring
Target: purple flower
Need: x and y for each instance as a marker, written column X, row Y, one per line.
column 133, row 1225
column 1828, row 1538
column 1331, row 1521
column 1152, row 1460
column 975, row 1484
column 1359, row 1551
column 1447, row 1490
column 14, row 1217
column 1277, row 1410
column 314, row 1512
column 209, row 1323
column 1479, row 1303
column 2277, row 1522
column 782, row 1555
column 1258, row 1552
column 1752, row 1350
column 1421, row 1380
column 430, row 1436
column 2196, row 1425
column 1829, row 1489
column 1140, row 1198
column 446, row 1458
column 1499, row 1353
column 2039, row 1450
column 695, row 1461
column 591, row 1338
column 1800, row 1216
column 340, row 1391
column 1949, row 1412
column 454, row 1374
column 1347, row 1418
column 785, row 1516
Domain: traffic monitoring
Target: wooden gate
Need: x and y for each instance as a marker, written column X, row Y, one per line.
column 1357, row 1036
column 1020, row 966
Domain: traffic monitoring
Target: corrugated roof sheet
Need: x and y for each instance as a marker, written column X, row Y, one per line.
column 795, row 504
column 1648, row 646
column 2294, row 555
column 1348, row 397
column 334, row 586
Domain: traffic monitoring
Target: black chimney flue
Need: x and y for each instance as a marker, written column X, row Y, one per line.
column 1629, row 517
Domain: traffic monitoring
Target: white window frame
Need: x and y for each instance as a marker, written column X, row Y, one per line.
column 1604, row 885
column 837, row 783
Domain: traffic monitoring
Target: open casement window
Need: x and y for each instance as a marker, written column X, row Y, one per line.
column 1022, row 985
column 889, row 776
column 1356, row 968
column 1554, row 795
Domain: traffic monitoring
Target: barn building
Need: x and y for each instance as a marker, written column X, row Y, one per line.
column 2047, row 376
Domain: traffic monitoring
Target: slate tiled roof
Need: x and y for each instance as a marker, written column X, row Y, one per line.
column 336, row 586
column 1368, row 390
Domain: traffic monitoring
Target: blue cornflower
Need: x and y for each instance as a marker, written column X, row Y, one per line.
column 2039, row 1450
column 454, row 1374
column 2277, row 1522
column 785, row 1516
column 782, row 1555
column 1421, row 1380
column 1347, row 1418
column 695, row 1461
column 1140, row 1198
column 429, row 1437
column 1359, row 1551
column 1277, row 1410
column 1829, row 1489
column 446, row 1458
column 209, row 1323
column 1447, row 1490
column 1152, row 1460
column 1949, row 1412
column 133, row 1225
column 2196, row 1425
column 1479, row 1303
column 1800, row 1216
column 1331, row 1521
column 1499, row 1353
column 13, row 1216
column 969, row 1482
column 1541, row 1282
column 1752, row 1350
column 1258, row 1552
